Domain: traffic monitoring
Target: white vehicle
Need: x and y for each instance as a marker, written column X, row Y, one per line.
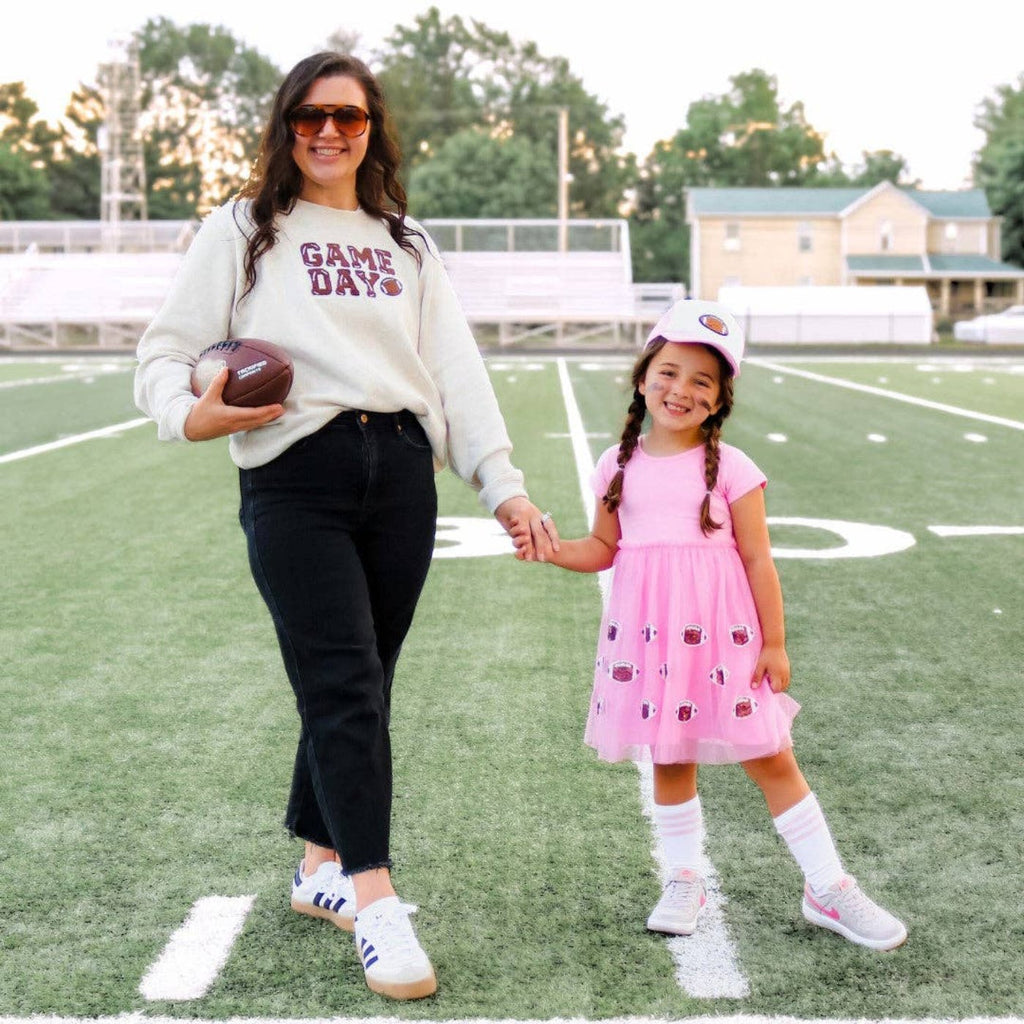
column 996, row 328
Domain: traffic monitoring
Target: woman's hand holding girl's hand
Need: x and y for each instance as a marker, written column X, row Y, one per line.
column 772, row 663
column 519, row 531
column 534, row 534
column 210, row 417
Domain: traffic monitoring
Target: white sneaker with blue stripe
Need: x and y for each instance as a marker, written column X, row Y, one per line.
column 393, row 960
column 327, row 893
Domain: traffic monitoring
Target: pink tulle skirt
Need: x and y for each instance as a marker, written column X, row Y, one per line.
column 677, row 649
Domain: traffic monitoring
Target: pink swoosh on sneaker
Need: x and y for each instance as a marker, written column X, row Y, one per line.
column 827, row 911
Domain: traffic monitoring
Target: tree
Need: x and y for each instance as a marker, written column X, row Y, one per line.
column 26, row 144
column 205, row 99
column 474, row 174
column 24, row 190
column 74, row 166
column 21, row 128
column 875, row 167
column 743, row 138
column 881, row 165
column 343, row 40
column 999, row 164
column 444, row 76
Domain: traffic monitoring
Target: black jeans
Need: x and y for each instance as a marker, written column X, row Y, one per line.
column 340, row 531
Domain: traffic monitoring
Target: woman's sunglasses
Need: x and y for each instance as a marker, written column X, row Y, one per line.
column 310, row 119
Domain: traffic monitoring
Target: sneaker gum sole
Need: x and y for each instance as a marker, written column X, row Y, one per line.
column 404, row 989
column 882, row 945
column 347, row 924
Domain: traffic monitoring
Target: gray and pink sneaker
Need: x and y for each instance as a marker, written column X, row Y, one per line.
column 680, row 904
column 844, row 908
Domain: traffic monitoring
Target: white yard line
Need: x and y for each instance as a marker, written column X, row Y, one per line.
column 26, row 381
column 707, row 965
column 82, row 375
column 195, row 953
column 738, row 1018
column 64, row 442
column 897, row 396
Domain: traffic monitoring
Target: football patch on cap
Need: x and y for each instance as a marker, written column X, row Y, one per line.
column 714, row 323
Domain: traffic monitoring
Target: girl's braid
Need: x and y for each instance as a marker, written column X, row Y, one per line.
column 627, row 445
column 712, row 428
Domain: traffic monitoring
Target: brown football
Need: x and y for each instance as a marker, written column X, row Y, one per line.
column 260, row 372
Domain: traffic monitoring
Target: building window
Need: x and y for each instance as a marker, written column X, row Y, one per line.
column 949, row 234
column 804, row 242
column 886, row 240
column 732, row 235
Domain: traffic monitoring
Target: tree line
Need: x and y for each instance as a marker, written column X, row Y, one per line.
column 477, row 117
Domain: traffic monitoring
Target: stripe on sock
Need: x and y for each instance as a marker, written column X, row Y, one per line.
column 681, row 830
column 805, row 831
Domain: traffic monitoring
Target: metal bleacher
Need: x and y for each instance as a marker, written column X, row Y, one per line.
column 62, row 287
column 570, row 280
column 70, row 300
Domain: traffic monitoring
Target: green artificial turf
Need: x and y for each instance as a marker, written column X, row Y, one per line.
column 147, row 729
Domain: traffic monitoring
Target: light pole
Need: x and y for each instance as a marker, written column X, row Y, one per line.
column 563, row 179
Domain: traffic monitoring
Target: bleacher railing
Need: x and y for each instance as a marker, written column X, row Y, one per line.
column 72, row 236
column 540, row 235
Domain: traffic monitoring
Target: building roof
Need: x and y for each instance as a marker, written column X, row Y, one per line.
column 965, row 203
column 830, row 202
column 963, row 265
column 971, row 263
column 772, row 200
column 887, row 266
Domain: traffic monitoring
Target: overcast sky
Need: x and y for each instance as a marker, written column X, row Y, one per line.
column 877, row 74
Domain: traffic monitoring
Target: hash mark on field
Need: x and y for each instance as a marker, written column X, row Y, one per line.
column 707, row 966
column 195, row 953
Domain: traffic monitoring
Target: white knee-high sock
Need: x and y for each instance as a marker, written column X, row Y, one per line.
column 680, row 828
column 806, row 833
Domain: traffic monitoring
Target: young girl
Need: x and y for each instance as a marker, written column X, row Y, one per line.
column 691, row 662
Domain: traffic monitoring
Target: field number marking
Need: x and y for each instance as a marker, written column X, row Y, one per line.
column 861, row 540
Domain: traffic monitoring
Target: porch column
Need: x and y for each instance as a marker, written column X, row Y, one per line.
column 979, row 295
column 944, row 292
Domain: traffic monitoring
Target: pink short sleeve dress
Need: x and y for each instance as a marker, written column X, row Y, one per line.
column 680, row 635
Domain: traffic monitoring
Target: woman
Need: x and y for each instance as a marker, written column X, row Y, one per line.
column 337, row 491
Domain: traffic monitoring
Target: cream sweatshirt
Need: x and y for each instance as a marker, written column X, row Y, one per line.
column 366, row 327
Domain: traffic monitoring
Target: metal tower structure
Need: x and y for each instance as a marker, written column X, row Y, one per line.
column 123, row 168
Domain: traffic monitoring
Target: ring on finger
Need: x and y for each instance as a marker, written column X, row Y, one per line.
column 545, row 517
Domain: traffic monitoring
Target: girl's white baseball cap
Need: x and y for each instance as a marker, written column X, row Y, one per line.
column 694, row 320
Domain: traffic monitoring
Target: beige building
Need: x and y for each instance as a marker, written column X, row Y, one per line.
column 949, row 242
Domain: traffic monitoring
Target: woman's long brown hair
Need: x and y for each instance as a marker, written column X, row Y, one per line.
column 276, row 181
